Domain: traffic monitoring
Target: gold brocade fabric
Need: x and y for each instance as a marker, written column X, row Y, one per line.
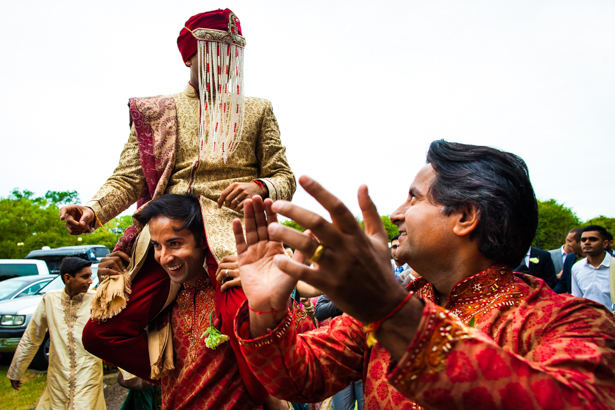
column 260, row 155
column 74, row 376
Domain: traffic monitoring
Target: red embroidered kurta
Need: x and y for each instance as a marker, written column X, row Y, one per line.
column 529, row 348
column 203, row 378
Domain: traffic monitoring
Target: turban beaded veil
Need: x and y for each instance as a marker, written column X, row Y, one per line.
column 215, row 37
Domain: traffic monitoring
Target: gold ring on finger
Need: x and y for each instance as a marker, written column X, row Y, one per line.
column 318, row 253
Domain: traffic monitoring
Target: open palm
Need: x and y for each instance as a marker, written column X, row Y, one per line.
column 265, row 285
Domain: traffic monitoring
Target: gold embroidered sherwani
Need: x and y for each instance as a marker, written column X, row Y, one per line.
column 74, row 376
column 260, row 155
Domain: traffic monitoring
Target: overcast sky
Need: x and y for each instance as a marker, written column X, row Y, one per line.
column 359, row 88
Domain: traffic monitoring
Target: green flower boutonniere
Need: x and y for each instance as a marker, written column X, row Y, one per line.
column 534, row 260
column 214, row 337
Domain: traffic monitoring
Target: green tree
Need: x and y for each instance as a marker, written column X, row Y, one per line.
column 62, row 197
column 28, row 222
column 293, row 224
column 607, row 223
column 390, row 227
column 554, row 223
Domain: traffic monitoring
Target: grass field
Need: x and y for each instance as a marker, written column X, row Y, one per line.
column 27, row 396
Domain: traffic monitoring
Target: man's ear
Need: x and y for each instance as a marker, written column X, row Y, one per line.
column 66, row 278
column 466, row 220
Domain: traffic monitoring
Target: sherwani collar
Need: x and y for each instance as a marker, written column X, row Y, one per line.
column 491, row 288
column 77, row 298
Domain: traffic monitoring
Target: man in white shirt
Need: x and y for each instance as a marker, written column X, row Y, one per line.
column 590, row 276
column 403, row 272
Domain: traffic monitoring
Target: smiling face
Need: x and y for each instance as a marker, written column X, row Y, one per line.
column 177, row 251
column 80, row 283
column 426, row 232
column 573, row 244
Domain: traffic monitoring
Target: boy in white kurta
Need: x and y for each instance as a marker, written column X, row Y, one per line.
column 74, row 376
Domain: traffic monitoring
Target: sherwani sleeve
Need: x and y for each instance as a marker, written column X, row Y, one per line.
column 274, row 170
column 30, row 342
column 124, row 187
column 567, row 362
column 306, row 367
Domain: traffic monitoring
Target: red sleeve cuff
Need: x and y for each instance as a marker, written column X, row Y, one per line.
column 242, row 328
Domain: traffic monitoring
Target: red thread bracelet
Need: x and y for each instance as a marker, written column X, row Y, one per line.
column 262, row 313
column 374, row 326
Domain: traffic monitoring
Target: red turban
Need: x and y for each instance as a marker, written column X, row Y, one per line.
column 216, row 20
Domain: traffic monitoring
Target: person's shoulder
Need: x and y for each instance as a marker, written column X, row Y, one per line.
column 53, row 294
column 88, row 296
column 258, row 104
column 151, row 108
column 540, row 252
column 578, row 265
column 257, row 100
column 155, row 98
column 541, row 298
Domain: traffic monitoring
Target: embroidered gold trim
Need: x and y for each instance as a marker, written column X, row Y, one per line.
column 219, row 36
column 278, row 332
column 442, row 332
column 70, row 318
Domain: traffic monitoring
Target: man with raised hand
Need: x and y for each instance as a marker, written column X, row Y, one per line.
column 186, row 346
column 468, row 334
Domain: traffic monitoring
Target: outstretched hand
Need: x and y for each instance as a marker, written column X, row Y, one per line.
column 265, row 285
column 355, row 270
column 78, row 218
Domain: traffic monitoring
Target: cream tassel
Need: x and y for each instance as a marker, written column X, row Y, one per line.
column 222, row 98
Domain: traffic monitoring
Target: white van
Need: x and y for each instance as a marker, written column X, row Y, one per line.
column 12, row 268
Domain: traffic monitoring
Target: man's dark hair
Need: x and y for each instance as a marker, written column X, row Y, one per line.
column 395, row 237
column 497, row 184
column 179, row 207
column 73, row 265
column 609, row 236
column 600, row 229
column 576, row 234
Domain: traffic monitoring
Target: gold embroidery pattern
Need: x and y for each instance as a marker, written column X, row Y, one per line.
column 478, row 294
column 195, row 306
column 71, row 308
column 278, row 332
column 428, row 355
column 492, row 289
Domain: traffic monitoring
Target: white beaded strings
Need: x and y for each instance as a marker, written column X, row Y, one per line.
column 222, row 98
